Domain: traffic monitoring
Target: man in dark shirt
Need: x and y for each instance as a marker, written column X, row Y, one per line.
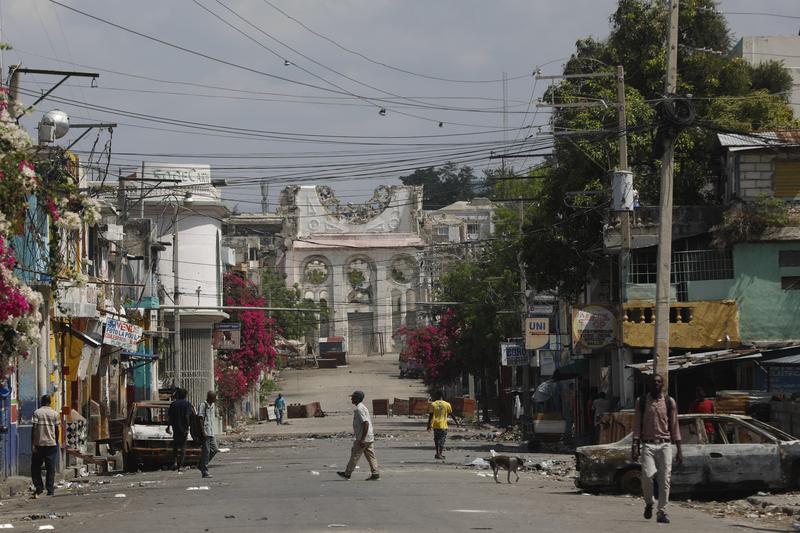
column 179, row 414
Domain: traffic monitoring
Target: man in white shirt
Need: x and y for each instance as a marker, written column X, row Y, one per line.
column 210, row 449
column 44, row 447
column 364, row 439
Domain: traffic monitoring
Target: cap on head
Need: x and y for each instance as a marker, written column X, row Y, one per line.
column 358, row 395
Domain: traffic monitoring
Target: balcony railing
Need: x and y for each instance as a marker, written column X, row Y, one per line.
column 693, row 325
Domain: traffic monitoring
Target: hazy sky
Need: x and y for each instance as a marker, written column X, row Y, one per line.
column 420, row 60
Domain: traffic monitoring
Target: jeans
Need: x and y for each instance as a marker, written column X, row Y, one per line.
column 179, row 448
column 47, row 455
column 279, row 416
column 656, row 461
column 207, row 453
column 355, row 454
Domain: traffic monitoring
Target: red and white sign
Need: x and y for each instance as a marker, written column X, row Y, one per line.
column 122, row 334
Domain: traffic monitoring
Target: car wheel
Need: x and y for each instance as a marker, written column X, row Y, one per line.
column 130, row 462
column 630, row 482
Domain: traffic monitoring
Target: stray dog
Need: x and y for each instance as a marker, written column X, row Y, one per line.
column 509, row 462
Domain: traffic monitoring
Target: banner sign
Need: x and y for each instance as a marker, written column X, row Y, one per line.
column 513, row 354
column 227, row 336
column 593, row 326
column 537, row 332
column 122, row 334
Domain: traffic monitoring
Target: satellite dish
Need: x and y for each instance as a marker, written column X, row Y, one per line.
column 54, row 125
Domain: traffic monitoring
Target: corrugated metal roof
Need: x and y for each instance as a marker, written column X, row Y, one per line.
column 691, row 360
column 788, row 360
column 760, row 139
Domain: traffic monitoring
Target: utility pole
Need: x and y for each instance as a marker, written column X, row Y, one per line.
column 625, row 232
column 176, row 296
column 661, row 339
column 122, row 205
column 523, row 289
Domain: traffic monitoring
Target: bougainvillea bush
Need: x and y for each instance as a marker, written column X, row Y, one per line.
column 238, row 371
column 431, row 347
column 33, row 178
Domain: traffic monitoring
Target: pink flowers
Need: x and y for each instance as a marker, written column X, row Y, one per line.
column 238, row 371
column 430, row 346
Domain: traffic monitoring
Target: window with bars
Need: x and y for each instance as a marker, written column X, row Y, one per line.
column 691, row 265
column 789, row 258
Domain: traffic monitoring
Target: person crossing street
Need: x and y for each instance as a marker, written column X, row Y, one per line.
column 364, row 439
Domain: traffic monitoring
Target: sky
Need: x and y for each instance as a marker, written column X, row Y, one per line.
column 345, row 93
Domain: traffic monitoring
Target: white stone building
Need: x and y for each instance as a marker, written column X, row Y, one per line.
column 785, row 48
column 360, row 261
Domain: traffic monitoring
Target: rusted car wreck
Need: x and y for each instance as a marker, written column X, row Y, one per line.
column 143, row 439
column 720, row 452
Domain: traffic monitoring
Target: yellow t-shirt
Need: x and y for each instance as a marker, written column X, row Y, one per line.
column 440, row 410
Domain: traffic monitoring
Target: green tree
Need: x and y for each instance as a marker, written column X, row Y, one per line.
column 444, row 185
column 563, row 241
column 772, row 77
column 291, row 324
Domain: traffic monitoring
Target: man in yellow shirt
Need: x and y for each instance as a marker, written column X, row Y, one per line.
column 438, row 411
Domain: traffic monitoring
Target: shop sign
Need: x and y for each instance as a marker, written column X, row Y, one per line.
column 513, row 354
column 593, row 326
column 537, row 332
column 227, row 336
column 122, row 334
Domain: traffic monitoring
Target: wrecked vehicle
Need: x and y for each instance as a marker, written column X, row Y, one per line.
column 143, row 439
column 720, row 452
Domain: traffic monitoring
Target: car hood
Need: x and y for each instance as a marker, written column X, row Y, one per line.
column 142, row 432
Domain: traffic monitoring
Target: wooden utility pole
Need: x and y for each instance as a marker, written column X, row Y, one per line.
column 625, row 233
column 661, row 340
column 523, row 289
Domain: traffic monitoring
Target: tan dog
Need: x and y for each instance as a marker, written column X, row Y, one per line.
column 510, row 462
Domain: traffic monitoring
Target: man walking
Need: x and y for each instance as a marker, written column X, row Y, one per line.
column 280, row 407
column 44, row 447
column 364, row 439
column 210, row 449
column 438, row 412
column 179, row 420
column 655, row 429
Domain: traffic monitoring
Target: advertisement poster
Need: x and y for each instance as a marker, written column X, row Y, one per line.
column 593, row 326
column 513, row 354
column 227, row 336
column 122, row 335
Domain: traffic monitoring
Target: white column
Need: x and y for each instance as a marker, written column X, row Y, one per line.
column 383, row 304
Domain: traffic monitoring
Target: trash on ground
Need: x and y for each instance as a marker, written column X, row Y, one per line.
column 224, row 450
column 314, row 473
column 6, row 526
column 120, row 495
column 45, row 527
column 478, row 462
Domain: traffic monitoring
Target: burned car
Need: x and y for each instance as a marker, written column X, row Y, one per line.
column 143, row 439
column 720, row 452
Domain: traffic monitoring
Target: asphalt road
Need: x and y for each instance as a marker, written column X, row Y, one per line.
column 291, row 485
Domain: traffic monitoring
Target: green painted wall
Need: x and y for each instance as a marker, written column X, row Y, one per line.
column 766, row 312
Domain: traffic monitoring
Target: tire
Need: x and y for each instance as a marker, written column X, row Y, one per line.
column 130, row 462
column 630, row 482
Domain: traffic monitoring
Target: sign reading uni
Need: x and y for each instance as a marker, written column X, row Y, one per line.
column 513, row 354
column 122, row 334
column 537, row 332
column 593, row 326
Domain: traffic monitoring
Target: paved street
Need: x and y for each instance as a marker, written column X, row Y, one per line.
column 272, row 481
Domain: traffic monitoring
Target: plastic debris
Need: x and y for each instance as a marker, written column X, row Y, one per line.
column 478, row 462
column 45, row 527
column 117, row 475
column 314, row 473
column 201, row 487
column 224, row 450
column 6, row 526
column 120, row 495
